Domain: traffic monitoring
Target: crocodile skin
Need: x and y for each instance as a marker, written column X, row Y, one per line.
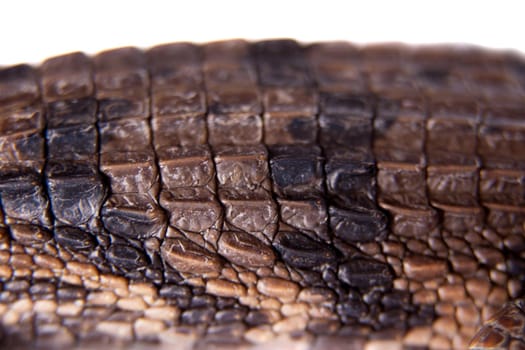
column 270, row 194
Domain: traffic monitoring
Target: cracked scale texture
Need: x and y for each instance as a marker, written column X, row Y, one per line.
column 239, row 194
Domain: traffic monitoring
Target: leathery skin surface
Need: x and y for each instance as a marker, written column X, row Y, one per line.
column 264, row 195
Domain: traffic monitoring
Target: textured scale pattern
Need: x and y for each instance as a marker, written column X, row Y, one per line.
column 235, row 194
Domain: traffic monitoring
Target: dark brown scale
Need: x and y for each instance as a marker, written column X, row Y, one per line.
column 30, row 235
column 133, row 216
column 245, row 250
column 297, row 172
column 126, row 258
column 234, row 193
column 19, row 86
column 76, row 191
column 23, row 197
column 301, row 252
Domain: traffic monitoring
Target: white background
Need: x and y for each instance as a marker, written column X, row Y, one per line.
column 31, row 31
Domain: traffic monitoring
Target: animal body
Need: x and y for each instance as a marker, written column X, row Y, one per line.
column 242, row 195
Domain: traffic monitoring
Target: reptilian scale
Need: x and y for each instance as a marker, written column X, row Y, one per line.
column 235, row 195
